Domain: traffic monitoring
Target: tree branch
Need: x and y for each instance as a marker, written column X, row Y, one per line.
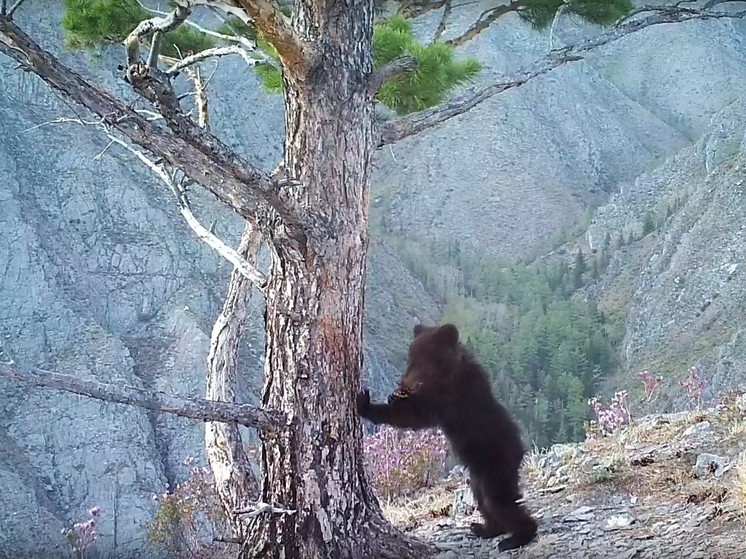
column 443, row 20
column 246, row 43
column 275, row 28
column 555, row 20
column 412, row 9
column 260, row 508
column 156, row 26
column 415, row 123
column 200, row 96
column 202, row 156
column 487, row 18
column 205, row 410
column 239, row 263
column 398, row 66
column 210, row 53
column 12, row 9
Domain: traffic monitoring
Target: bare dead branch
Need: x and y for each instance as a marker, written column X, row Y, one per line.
column 246, row 43
column 234, row 479
column 705, row 8
column 240, row 263
column 215, row 52
column 200, row 96
column 443, row 20
column 155, row 49
column 156, row 26
column 415, row 9
column 397, row 67
column 275, row 28
column 202, row 156
column 204, row 410
column 13, row 8
column 227, row 6
column 487, row 18
column 259, row 508
column 555, row 20
column 415, row 123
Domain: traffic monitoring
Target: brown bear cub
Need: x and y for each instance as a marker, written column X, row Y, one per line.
column 445, row 386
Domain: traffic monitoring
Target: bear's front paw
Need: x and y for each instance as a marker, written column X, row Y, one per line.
column 363, row 402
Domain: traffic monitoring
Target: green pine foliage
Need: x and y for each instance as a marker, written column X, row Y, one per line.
column 89, row 23
column 437, row 73
column 184, row 41
column 546, row 349
column 540, row 13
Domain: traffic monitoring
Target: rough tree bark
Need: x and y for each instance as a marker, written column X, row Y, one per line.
column 235, row 483
column 315, row 308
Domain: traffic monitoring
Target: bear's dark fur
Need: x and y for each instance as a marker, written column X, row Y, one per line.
column 445, row 386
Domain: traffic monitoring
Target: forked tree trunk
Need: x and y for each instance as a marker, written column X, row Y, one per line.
column 235, row 483
column 314, row 311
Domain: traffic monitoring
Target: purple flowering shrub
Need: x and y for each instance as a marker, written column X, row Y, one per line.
column 82, row 535
column 187, row 517
column 400, row 461
column 611, row 417
column 650, row 384
column 695, row 386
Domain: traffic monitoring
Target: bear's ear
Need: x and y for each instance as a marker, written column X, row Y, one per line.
column 447, row 335
column 418, row 329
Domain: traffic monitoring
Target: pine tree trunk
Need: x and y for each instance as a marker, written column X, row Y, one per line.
column 314, row 313
column 235, row 483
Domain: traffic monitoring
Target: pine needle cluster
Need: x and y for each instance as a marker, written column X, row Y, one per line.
column 437, row 73
column 540, row 13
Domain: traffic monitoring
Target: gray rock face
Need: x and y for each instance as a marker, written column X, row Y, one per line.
column 100, row 276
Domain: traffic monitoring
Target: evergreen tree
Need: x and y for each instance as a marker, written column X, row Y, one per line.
column 579, row 269
column 595, row 273
column 648, row 226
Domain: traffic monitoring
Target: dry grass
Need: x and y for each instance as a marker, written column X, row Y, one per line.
column 738, row 428
column 409, row 513
column 739, row 489
column 532, row 467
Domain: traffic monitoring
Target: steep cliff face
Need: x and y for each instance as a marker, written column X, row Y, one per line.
column 681, row 287
column 100, row 276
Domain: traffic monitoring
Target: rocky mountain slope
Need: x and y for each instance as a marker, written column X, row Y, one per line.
column 680, row 288
column 100, row 276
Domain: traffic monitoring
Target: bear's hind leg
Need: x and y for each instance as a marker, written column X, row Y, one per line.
column 514, row 518
column 522, row 526
column 492, row 527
